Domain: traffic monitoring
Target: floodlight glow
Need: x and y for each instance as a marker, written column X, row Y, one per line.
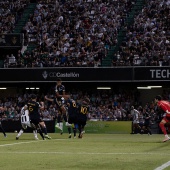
column 155, row 86
column 143, row 88
column 103, row 88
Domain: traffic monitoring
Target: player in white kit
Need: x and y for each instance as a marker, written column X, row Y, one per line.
column 25, row 122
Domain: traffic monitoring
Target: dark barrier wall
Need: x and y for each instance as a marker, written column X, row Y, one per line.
column 11, row 126
column 114, row 127
column 107, row 127
column 126, row 74
column 67, row 74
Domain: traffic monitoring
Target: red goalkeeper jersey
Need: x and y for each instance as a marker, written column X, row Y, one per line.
column 164, row 105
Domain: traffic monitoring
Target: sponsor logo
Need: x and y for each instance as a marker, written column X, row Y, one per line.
column 160, row 74
column 46, row 74
column 2, row 39
column 14, row 40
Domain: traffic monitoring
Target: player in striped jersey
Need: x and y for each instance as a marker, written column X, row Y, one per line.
column 135, row 120
column 25, row 122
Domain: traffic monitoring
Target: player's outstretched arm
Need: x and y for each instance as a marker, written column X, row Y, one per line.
column 66, row 97
column 48, row 99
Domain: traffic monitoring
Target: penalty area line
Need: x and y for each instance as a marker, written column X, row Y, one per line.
column 163, row 166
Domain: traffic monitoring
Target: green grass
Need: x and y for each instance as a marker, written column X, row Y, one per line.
column 94, row 151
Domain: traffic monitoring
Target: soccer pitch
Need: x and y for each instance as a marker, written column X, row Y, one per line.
column 94, row 151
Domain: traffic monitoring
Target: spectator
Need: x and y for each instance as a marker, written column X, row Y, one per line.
column 74, row 33
column 147, row 40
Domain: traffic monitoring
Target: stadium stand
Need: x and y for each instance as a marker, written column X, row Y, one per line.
column 10, row 14
column 91, row 33
column 129, row 20
column 90, row 28
column 71, row 33
column 147, row 41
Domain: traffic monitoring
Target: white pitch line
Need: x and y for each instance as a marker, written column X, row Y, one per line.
column 163, row 166
column 11, row 144
column 85, row 153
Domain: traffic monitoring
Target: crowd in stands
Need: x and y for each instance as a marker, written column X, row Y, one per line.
column 73, row 33
column 147, row 41
column 79, row 33
column 105, row 105
column 10, row 13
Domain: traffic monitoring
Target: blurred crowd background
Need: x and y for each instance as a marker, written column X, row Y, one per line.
column 83, row 33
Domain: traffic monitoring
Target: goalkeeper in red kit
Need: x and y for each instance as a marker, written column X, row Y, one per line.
column 165, row 106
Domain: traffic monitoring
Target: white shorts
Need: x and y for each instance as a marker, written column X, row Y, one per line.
column 26, row 124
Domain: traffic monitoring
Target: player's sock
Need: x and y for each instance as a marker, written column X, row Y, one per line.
column 149, row 131
column 59, row 118
column 20, row 133
column 35, row 134
column 82, row 130
column 61, row 126
column 57, row 126
column 39, row 130
column 44, row 129
column 65, row 117
column 69, row 130
column 41, row 134
column 79, row 128
column 45, row 132
column 161, row 125
column 3, row 131
column 74, row 131
column 166, row 136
